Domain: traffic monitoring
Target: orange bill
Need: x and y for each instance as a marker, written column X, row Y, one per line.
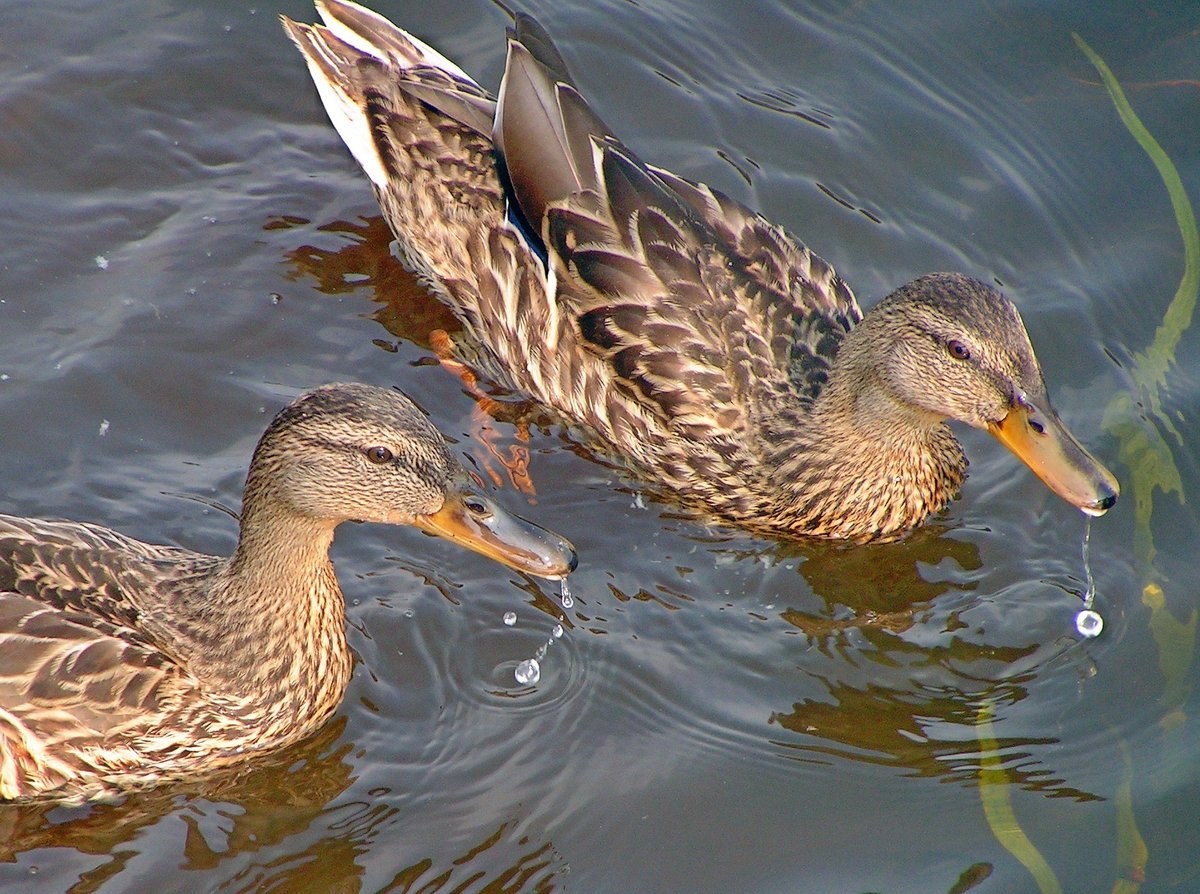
column 478, row 523
column 1033, row 431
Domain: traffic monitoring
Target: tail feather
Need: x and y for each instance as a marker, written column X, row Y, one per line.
column 355, row 52
column 372, row 34
column 333, row 65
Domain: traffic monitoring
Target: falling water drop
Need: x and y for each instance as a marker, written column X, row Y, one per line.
column 528, row 672
column 510, row 618
column 565, row 597
column 1089, row 596
column 1088, row 622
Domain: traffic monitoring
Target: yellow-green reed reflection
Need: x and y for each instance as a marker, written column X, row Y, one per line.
column 1132, row 852
column 1139, row 422
column 997, row 806
column 1145, row 452
column 1143, row 449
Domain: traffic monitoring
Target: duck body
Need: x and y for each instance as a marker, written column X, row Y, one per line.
column 712, row 351
column 125, row 664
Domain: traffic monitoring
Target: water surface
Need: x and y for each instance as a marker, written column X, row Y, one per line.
column 187, row 245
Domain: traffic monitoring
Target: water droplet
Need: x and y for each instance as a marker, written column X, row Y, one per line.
column 510, row 618
column 1089, row 596
column 409, row 613
column 568, row 601
column 557, row 631
column 528, row 672
column 1089, row 623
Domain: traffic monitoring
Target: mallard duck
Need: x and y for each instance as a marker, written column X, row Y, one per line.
column 123, row 664
column 713, row 352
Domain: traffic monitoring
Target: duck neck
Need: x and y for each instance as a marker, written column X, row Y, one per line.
column 860, row 465
column 276, row 617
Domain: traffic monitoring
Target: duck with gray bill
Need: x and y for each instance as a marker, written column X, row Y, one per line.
column 124, row 664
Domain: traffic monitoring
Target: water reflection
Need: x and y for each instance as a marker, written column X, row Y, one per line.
column 909, row 679
column 364, row 260
column 682, row 760
column 882, row 582
column 241, row 811
column 535, row 871
column 925, row 733
column 291, row 823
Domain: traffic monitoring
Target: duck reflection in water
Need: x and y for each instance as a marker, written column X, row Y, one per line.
column 296, row 806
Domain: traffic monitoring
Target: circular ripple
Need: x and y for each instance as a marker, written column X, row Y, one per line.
column 486, row 671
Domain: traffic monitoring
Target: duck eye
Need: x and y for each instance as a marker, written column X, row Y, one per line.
column 958, row 350
column 378, row 455
column 476, row 506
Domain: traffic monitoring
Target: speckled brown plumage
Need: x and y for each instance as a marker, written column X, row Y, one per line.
column 123, row 664
column 703, row 344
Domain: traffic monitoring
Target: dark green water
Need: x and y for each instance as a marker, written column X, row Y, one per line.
column 185, row 244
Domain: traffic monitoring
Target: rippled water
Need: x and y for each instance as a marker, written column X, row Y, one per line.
column 186, row 245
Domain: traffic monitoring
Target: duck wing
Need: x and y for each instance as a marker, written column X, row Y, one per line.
column 706, row 307
column 92, row 570
column 79, row 674
column 659, row 312
column 422, row 131
column 73, row 690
